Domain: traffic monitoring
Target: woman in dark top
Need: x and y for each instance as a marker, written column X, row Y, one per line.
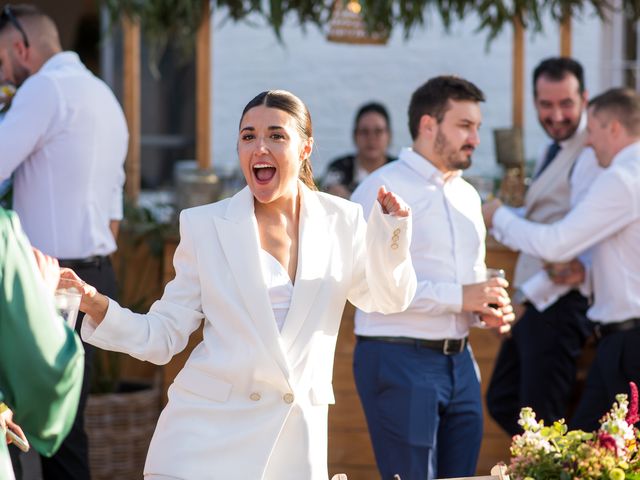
column 372, row 136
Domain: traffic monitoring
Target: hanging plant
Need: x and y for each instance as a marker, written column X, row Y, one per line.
column 165, row 21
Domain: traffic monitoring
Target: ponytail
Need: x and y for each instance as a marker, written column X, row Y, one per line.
column 306, row 174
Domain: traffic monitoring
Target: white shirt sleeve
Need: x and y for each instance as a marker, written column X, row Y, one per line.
column 540, row 289
column 26, row 123
column 116, row 207
column 605, row 209
column 158, row 335
column 384, row 280
column 431, row 297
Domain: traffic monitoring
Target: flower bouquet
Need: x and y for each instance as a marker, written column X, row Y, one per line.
column 553, row 452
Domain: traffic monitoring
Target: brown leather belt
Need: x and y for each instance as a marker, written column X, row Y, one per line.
column 447, row 346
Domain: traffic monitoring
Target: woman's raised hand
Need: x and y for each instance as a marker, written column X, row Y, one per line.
column 392, row 204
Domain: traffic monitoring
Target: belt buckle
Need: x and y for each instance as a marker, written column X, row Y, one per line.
column 452, row 346
column 597, row 331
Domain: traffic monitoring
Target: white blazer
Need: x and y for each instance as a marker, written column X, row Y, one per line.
column 252, row 402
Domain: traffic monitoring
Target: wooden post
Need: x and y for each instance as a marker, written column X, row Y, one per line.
column 518, row 73
column 203, row 89
column 131, row 101
column 565, row 34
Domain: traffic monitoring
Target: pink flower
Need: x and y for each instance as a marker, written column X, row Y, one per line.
column 607, row 441
column 632, row 415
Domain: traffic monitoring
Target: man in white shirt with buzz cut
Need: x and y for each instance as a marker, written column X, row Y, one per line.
column 537, row 364
column 414, row 370
column 607, row 220
column 64, row 141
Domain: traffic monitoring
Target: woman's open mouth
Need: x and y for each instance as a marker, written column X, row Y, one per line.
column 264, row 172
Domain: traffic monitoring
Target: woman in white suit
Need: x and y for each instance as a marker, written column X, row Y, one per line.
column 269, row 271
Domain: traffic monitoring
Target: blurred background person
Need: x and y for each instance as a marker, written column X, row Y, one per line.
column 6, row 94
column 372, row 136
column 537, row 365
column 414, row 370
column 41, row 359
column 606, row 220
column 64, row 141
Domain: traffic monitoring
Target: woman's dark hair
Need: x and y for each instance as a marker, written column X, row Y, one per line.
column 289, row 103
column 368, row 108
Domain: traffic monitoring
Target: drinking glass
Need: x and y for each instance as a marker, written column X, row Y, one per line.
column 67, row 302
column 490, row 273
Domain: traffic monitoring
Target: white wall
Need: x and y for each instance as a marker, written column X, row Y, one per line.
column 334, row 79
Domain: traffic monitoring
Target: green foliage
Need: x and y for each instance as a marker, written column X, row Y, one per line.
column 554, row 452
column 144, row 226
column 166, row 20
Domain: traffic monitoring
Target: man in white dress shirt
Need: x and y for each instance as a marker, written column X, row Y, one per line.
column 607, row 219
column 63, row 141
column 414, row 371
column 536, row 365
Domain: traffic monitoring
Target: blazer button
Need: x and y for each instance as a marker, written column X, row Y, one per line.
column 395, row 238
column 255, row 396
column 396, row 231
column 394, row 246
column 288, row 398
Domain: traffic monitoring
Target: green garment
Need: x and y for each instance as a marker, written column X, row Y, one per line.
column 41, row 358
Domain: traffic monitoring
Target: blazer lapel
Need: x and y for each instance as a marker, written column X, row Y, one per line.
column 238, row 236
column 314, row 245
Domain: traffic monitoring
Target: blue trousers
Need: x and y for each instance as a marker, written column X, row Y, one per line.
column 423, row 409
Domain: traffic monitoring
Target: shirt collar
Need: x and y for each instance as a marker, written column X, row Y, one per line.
column 630, row 152
column 425, row 168
column 61, row 59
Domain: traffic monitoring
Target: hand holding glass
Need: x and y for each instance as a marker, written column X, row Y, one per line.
column 67, row 302
column 497, row 273
column 494, row 273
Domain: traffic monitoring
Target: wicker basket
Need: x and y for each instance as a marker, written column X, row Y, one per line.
column 120, row 426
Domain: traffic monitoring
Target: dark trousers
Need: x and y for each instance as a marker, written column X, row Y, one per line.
column 536, row 366
column 616, row 364
column 423, row 409
column 71, row 461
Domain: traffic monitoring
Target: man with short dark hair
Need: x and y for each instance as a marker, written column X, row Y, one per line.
column 607, row 220
column 536, row 364
column 64, row 140
column 415, row 374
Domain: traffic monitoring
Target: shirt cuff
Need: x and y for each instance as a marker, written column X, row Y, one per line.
column 542, row 292
column 451, row 296
column 501, row 219
column 89, row 326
